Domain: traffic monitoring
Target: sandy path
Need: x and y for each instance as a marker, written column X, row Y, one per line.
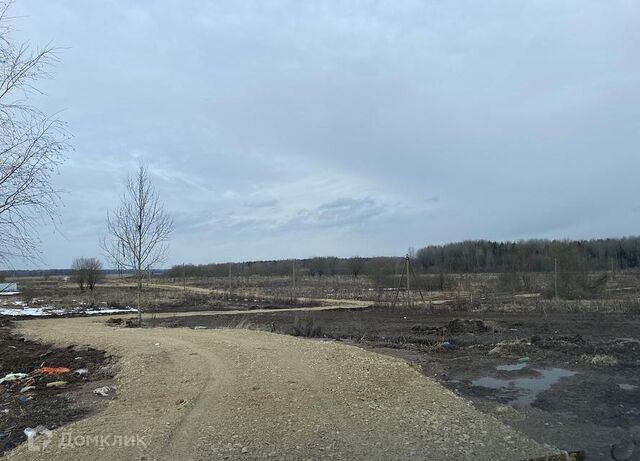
column 240, row 394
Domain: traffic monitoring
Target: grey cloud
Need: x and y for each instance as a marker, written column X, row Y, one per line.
column 364, row 127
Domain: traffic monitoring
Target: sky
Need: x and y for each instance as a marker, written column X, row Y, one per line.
column 280, row 129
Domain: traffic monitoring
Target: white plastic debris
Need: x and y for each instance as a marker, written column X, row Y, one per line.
column 13, row 377
column 104, row 391
column 32, row 433
column 81, row 372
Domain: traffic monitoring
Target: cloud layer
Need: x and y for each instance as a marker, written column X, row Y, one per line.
column 292, row 129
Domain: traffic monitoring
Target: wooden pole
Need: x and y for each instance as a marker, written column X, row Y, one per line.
column 293, row 279
column 408, row 283
column 555, row 276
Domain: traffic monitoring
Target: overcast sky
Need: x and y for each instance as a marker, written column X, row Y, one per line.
column 279, row 129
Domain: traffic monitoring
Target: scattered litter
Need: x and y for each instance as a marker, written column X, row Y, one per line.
column 32, row 433
column 51, row 371
column 104, row 391
column 523, row 360
column 27, row 389
column 495, row 350
column 12, row 377
column 24, row 399
column 199, row 327
column 57, row 384
column 81, row 372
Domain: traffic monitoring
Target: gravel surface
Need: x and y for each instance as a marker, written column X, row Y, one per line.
column 240, row 394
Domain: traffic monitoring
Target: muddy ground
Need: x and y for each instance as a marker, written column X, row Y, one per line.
column 43, row 406
column 572, row 380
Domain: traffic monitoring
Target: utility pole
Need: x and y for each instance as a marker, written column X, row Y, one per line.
column 293, row 279
column 407, row 269
column 184, row 278
column 555, row 276
column 229, row 280
column 407, row 261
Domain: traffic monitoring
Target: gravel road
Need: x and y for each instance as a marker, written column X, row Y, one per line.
column 241, row 394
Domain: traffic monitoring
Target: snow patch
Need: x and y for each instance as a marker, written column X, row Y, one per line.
column 52, row 311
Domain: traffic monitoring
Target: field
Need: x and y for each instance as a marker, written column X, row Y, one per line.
column 562, row 372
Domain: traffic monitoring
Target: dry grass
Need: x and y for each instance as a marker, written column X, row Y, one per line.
column 599, row 360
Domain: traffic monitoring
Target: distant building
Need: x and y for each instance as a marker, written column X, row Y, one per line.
column 6, row 288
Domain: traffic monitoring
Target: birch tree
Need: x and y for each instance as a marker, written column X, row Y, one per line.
column 138, row 231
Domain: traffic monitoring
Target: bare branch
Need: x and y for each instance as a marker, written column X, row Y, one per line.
column 32, row 146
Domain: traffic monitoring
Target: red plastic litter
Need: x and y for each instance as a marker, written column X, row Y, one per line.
column 49, row 371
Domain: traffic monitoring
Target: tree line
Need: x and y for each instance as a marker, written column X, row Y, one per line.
column 317, row 267
column 530, row 255
column 461, row 257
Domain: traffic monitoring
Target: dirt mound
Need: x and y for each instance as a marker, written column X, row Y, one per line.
column 559, row 342
column 457, row 326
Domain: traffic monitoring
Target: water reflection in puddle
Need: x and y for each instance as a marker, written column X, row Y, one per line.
column 627, row 387
column 526, row 390
column 514, row 367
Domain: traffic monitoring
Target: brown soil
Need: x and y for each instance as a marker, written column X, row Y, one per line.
column 48, row 407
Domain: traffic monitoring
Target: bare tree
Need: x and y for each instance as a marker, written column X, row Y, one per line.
column 93, row 269
column 138, row 231
column 32, row 146
column 86, row 271
column 78, row 272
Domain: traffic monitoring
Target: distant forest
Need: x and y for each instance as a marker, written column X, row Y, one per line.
column 462, row 257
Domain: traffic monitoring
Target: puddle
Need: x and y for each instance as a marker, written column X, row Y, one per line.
column 567, row 415
column 627, row 387
column 629, row 340
column 514, row 367
column 525, row 390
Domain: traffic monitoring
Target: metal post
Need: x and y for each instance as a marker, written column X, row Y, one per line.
column 229, row 280
column 555, row 276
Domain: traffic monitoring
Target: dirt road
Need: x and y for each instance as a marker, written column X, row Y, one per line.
column 240, row 394
column 332, row 303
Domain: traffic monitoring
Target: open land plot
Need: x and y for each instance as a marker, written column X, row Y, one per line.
column 570, row 380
